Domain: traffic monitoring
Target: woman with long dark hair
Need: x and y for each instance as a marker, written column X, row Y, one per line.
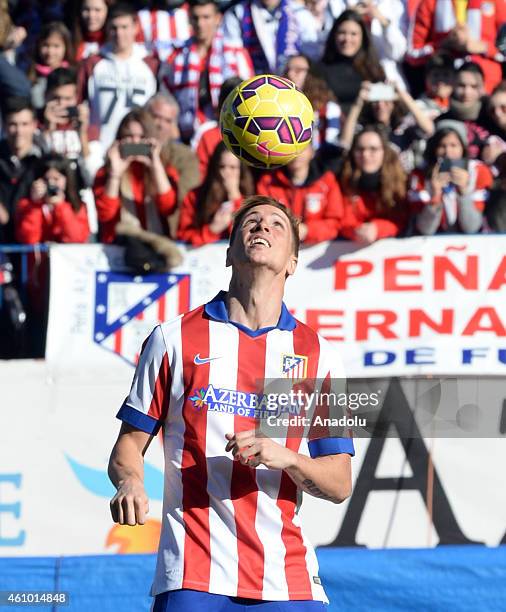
column 349, row 58
column 373, row 184
column 448, row 193
column 53, row 212
column 207, row 211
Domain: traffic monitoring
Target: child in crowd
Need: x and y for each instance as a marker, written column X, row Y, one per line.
column 439, row 81
column 54, row 50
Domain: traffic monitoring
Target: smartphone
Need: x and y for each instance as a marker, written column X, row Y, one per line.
column 381, row 91
column 128, row 149
column 447, row 164
column 72, row 112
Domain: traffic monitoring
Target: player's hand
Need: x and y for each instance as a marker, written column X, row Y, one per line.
column 130, row 504
column 252, row 449
column 302, row 231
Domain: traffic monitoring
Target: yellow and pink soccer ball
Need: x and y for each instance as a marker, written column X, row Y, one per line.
column 266, row 121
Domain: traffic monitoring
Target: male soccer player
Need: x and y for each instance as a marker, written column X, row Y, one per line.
column 230, row 534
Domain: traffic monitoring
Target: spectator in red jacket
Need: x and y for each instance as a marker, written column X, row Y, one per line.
column 136, row 189
column 315, row 198
column 53, row 212
column 449, row 193
column 462, row 28
column 207, row 211
column 373, row 183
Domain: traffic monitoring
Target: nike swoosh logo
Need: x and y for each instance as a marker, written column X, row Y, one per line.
column 262, row 148
column 198, row 360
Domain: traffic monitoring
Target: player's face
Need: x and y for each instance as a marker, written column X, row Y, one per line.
column 349, row 38
column 205, row 21
column 264, row 239
column 122, row 31
column 93, row 15
column 369, row 154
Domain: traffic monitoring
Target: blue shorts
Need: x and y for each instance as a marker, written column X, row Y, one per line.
column 186, row 600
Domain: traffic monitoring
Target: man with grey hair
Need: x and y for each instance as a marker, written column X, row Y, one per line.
column 164, row 110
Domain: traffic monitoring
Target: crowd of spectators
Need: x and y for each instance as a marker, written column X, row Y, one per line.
column 409, row 101
column 409, row 131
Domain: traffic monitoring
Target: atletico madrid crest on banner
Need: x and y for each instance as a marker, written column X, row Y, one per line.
column 294, row 367
column 127, row 308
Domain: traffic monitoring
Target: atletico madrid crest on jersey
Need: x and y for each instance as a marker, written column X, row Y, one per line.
column 294, row 367
column 127, row 308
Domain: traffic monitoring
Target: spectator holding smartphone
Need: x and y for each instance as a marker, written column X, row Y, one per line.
column 66, row 122
column 53, row 211
column 449, row 192
column 134, row 186
column 207, row 211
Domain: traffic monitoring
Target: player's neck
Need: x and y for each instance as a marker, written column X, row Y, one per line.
column 255, row 304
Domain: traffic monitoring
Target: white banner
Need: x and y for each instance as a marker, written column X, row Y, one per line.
column 419, row 306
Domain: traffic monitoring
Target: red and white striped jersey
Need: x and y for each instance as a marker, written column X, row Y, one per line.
column 227, row 528
column 163, row 31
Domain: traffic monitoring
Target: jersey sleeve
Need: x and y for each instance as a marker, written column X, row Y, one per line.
column 147, row 404
column 325, row 438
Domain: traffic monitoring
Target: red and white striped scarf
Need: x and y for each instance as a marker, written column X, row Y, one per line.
column 185, row 67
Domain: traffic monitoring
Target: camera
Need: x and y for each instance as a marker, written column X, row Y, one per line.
column 72, row 112
column 51, row 190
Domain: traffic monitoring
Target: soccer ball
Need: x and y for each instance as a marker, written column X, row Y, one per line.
column 266, row 121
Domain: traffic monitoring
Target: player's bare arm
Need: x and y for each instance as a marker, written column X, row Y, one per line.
column 327, row 477
column 126, row 470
